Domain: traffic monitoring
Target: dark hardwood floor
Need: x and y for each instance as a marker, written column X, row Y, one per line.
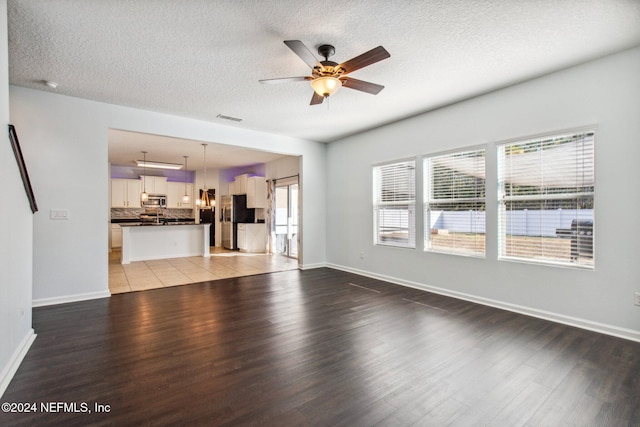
column 319, row 347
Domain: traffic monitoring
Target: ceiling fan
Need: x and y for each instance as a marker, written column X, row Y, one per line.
column 328, row 76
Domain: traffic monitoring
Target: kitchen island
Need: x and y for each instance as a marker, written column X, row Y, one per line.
column 141, row 242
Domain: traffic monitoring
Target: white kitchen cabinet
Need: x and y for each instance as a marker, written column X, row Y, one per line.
column 116, row 236
column 232, row 188
column 242, row 237
column 256, row 192
column 125, row 193
column 175, row 193
column 241, row 184
column 160, row 185
column 252, row 238
column 155, row 184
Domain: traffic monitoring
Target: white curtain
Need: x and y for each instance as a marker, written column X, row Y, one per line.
column 271, row 216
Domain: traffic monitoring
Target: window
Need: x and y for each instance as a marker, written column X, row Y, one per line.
column 545, row 192
column 454, row 202
column 394, row 200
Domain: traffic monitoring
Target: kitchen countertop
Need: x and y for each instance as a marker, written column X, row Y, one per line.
column 137, row 220
column 155, row 224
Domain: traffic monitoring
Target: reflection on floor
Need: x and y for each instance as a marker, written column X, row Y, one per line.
column 142, row 275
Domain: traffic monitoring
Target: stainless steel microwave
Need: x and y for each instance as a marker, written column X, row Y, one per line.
column 155, row 201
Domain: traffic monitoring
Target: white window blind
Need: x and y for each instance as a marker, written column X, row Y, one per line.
column 546, row 189
column 454, row 202
column 394, row 204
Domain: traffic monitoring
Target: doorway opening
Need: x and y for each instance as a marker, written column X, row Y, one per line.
column 226, row 162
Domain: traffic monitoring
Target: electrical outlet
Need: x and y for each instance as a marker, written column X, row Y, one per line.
column 361, row 254
column 636, row 300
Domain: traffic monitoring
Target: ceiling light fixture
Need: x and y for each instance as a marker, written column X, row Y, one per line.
column 144, row 196
column 185, row 198
column 326, row 86
column 158, row 165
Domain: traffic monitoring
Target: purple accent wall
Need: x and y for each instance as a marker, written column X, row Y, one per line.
column 130, row 172
column 229, row 175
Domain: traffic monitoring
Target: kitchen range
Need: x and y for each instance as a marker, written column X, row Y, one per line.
column 157, row 216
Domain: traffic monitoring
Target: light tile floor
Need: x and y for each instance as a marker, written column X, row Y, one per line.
column 142, row 275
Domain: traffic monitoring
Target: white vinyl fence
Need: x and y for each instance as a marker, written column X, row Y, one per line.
column 519, row 223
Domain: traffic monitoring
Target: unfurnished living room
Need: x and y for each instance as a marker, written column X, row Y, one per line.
column 369, row 213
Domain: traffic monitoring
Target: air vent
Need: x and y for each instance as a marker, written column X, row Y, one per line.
column 233, row 119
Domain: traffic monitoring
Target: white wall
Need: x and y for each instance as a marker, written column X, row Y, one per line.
column 66, row 140
column 605, row 93
column 16, row 226
column 282, row 168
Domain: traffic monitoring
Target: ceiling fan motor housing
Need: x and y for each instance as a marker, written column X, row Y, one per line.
column 329, row 68
column 326, row 50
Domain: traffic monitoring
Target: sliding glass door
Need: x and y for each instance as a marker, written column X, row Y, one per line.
column 286, row 201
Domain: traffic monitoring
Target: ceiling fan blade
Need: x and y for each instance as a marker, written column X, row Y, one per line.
column 361, row 85
column 316, row 99
column 286, row 80
column 374, row 55
column 303, row 52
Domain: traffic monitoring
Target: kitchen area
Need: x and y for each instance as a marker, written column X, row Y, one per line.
column 168, row 228
column 242, row 217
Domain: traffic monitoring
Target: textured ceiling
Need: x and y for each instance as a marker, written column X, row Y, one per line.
column 202, row 58
column 126, row 147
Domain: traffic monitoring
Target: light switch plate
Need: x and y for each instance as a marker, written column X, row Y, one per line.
column 59, row 214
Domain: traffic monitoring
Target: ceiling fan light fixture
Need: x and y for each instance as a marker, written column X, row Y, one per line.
column 326, row 86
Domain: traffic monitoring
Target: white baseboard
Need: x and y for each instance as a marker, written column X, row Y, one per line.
column 69, row 298
column 312, row 266
column 16, row 359
column 602, row 328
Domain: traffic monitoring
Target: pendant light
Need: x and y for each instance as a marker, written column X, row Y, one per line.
column 144, row 196
column 204, row 197
column 185, row 198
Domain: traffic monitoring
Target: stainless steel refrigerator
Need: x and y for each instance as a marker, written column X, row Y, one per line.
column 233, row 210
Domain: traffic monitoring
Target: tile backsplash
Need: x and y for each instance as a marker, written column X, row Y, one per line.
column 132, row 213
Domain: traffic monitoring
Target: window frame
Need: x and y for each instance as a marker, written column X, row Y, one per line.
column 409, row 204
column 429, row 201
column 502, row 198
